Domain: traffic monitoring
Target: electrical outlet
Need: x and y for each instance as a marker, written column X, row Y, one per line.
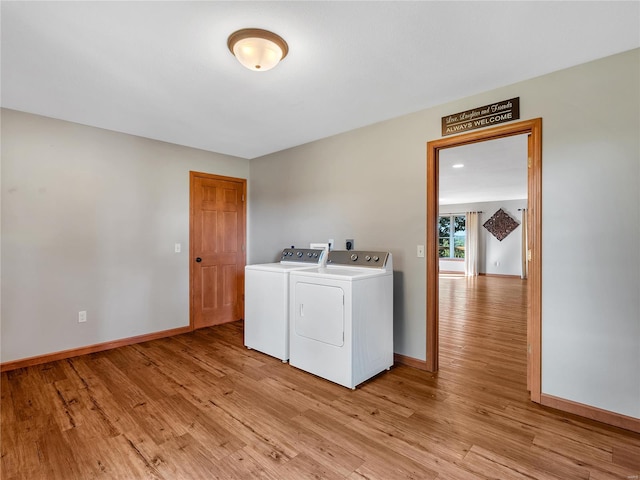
column 82, row 316
column 331, row 244
column 421, row 251
column 349, row 244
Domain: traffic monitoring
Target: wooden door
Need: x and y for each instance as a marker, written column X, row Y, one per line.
column 534, row 257
column 217, row 244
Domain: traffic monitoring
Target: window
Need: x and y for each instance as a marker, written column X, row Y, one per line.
column 451, row 232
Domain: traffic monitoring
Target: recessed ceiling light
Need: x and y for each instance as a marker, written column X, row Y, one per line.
column 457, row 165
column 257, row 49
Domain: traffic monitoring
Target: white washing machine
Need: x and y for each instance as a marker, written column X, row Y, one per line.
column 342, row 317
column 266, row 293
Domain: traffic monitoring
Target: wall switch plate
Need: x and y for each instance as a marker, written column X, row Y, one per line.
column 82, row 316
column 420, row 251
column 178, row 248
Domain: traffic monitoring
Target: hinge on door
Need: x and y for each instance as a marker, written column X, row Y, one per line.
column 529, row 255
column 243, row 197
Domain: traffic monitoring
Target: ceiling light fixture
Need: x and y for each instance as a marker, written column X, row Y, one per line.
column 257, row 49
column 457, row 165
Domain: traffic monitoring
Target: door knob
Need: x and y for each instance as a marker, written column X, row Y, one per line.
column 198, row 259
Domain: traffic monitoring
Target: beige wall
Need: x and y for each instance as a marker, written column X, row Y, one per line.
column 369, row 184
column 90, row 218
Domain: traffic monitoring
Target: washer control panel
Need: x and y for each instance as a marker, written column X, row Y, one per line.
column 302, row 255
column 358, row 258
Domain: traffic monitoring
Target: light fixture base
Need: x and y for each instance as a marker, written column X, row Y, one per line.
column 257, row 49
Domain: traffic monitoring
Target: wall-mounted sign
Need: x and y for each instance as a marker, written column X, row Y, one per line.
column 493, row 114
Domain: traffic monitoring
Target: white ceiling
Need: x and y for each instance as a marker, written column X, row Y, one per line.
column 162, row 69
column 492, row 171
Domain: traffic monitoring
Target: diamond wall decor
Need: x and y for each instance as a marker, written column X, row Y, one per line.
column 500, row 224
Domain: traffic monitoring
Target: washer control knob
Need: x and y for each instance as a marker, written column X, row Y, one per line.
column 299, row 254
column 315, row 255
column 290, row 254
column 376, row 258
column 368, row 258
column 354, row 257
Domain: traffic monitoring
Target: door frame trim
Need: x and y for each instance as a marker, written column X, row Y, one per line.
column 534, row 203
column 192, row 177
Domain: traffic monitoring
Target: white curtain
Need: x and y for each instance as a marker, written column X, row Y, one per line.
column 524, row 269
column 471, row 249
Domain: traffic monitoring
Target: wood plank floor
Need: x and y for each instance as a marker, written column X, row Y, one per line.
column 201, row 406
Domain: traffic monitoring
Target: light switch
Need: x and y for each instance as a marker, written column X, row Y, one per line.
column 421, row 251
column 178, row 248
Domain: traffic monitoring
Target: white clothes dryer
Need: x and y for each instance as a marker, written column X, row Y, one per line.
column 266, row 310
column 342, row 317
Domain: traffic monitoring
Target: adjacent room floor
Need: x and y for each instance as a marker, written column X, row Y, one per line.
column 201, row 406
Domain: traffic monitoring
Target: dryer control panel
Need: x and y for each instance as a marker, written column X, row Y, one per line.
column 358, row 258
column 302, row 255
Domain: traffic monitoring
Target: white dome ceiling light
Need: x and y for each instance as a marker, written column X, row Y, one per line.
column 257, row 49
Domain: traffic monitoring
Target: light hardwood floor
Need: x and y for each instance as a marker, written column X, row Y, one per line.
column 201, row 406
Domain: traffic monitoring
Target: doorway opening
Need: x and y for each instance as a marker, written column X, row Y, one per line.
column 533, row 130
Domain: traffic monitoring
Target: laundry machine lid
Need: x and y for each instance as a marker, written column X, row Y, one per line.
column 280, row 267
column 293, row 259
